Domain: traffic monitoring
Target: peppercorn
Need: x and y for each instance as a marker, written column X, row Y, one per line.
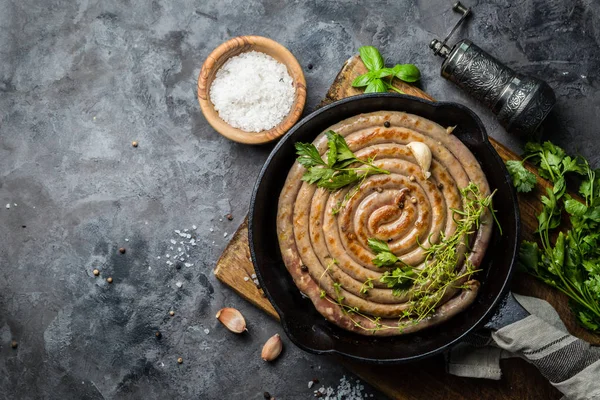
column 180, row 360
column 109, row 279
column 158, row 334
column 134, row 143
column 310, row 66
column 386, row 124
column 229, row 217
column 14, row 344
column 171, row 313
column 412, row 178
column 178, row 265
column 267, row 395
column 440, row 185
column 122, row 250
column 389, row 240
column 318, row 394
column 401, row 205
column 315, row 381
column 96, row 272
column 304, row 268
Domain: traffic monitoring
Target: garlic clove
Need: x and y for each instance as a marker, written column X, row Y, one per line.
column 232, row 319
column 422, row 154
column 450, row 129
column 272, row 348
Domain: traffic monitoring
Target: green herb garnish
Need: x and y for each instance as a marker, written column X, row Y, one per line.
column 375, row 81
column 523, row 179
column 336, row 172
column 572, row 263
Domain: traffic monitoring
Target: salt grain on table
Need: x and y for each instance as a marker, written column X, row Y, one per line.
column 206, row 331
column 173, row 241
column 194, row 227
column 179, row 284
column 225, row 234
column 8, row 206
column 246, row 278
column 253, row 92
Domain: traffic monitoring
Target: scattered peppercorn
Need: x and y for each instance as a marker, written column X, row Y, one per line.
column 304, row 268
column 315, row 381
column 440, row 185
column 267, row 395
column 96, row 272
column 386, row 124
column 134, row 143
column 412, row 178
column 178, row 265
column 109, row 279
column 23, row 226
column 401, row 205
column 14, row 344
column 379, row 190
column 158, row 335
column 171, row 313
column 180, row 360
column 389, row 240
column 413, row 200
column 229, row 217
column 318, row 394
column 122, row 250
column 310, row 66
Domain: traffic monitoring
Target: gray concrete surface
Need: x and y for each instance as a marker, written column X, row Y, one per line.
column 81, row 79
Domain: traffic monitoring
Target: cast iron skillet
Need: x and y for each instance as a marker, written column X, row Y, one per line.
column 301, row 321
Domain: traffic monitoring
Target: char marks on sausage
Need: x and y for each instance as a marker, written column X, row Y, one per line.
column 334, row 247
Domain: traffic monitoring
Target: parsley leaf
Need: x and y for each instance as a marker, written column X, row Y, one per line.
column 523, row 179
column 336, row 172
column 383, row 255
column 398, row 279
column 308, row 155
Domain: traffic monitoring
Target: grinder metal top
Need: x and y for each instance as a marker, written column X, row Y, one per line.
column 520, row 102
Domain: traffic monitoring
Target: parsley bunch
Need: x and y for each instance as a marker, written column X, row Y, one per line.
column 398, row 279
column 336, row 172
column 375, row 81
column 572, row 263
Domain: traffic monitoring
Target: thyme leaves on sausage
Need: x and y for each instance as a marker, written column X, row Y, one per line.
column 440, row 272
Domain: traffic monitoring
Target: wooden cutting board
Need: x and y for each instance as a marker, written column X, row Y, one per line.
column 520, row 379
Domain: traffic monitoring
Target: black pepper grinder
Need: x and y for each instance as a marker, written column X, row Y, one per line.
column 520, row 102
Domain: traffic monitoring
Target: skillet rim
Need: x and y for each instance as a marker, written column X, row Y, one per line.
column 499, row 163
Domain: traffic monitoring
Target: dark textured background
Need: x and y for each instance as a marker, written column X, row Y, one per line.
column 81, row 79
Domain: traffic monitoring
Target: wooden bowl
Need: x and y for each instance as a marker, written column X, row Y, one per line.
column 231, row 48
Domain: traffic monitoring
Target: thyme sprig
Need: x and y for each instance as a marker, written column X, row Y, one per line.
column 440, row 272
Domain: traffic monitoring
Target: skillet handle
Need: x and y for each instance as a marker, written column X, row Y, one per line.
column 570, row 364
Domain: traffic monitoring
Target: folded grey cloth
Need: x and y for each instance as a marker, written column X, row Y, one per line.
column 570, row 364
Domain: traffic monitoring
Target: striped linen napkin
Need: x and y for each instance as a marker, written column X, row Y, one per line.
column 570, row 364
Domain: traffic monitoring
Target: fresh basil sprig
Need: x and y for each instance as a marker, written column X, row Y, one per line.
column 379, row 78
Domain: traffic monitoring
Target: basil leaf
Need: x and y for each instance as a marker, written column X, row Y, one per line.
column 407, row 72
column 371, row 57
column 376, row 86
column 382, row 73
column 362, row 80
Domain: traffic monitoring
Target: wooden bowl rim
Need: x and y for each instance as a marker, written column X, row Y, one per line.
column 212, row 116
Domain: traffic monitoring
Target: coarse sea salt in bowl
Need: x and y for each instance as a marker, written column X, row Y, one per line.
column 233, row 104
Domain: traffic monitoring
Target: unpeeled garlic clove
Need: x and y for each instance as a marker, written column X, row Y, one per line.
column 422, row 154
column 232, row 319
column 272, row 348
